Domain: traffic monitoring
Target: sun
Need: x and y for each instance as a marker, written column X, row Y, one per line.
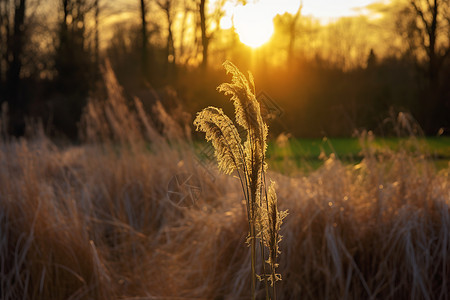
column 253, row 24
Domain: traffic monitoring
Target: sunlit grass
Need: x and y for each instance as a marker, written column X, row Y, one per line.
column 248, row 161
column 95, row 221
column 307, row 154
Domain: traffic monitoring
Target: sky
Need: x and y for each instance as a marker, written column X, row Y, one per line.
column 324, row 10
column 330, row 10
column 253, row 22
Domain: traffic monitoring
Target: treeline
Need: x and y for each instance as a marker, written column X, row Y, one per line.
column 49, row 60
column 327, row 79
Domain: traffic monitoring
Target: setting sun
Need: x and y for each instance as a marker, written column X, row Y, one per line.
column 253, row 23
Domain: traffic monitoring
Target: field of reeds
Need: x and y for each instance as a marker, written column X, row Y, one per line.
column 97, row 220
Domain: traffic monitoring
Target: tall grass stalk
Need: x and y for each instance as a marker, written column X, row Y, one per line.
column 247, row 159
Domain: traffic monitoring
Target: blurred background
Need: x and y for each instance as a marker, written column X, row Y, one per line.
column 332, row 67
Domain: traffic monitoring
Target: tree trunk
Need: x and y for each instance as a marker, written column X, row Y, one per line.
column 171, row 50
column 2, row 42
column 433, row 66
column 144, row 32
column 432, row 104
column 96, row 47
column 15, row 64
column 205, row 38
column 293, row 34
column 170, row 47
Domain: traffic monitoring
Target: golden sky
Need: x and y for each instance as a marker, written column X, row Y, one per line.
column 253, row 22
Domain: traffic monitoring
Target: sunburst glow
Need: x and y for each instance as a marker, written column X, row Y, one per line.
column 254, row 21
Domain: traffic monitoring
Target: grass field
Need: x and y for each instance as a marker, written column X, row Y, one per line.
column 306, row 154
column 97, row 221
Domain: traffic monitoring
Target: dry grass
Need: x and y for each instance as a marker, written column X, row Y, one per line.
column 95, row 222
column 247, row 161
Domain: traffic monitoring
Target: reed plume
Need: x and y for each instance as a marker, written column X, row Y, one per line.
column 248, row 160
column 224, row 136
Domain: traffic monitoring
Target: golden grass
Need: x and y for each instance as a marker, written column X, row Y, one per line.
column 94, row 222
column 247, row 160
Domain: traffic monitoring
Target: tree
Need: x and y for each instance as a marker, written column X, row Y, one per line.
column 74, row 53
column 433, row 27
column 205, row 37
column 371, row 59
column 166, row 6
column 74, row 63
column 96, row 41
column 293, row 32
column 144, row 36
column 186, row 50
column 12, row 35
column 206, row 20
column 14, row 30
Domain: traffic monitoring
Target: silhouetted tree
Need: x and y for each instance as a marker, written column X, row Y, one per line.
column 205, row 22
column 12, row 39
column 13, row 33
column 371, row 59
column 170, row 62
column 433, row 27
column 74, row 63
column 293, row 32
column 96, row 41
column 73, row 55
column 205, row 37
column 145, row 37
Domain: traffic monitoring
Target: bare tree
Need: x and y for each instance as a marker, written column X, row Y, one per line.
column 4, row 37
column 167, row 7
column 96, row 47
column 187, row 10
column 73, row 57
column 205, row 37
column 144, row 32
column 433, row 28
column 12, row 39
column 74, row 63
column 18, row 55
column 293, row 32
column 206, row 20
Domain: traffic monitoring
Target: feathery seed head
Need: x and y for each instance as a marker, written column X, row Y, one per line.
column 247, row 108
column 220, row 130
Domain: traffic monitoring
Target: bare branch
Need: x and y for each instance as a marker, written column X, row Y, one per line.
column 429, row 5
column 422, row 16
